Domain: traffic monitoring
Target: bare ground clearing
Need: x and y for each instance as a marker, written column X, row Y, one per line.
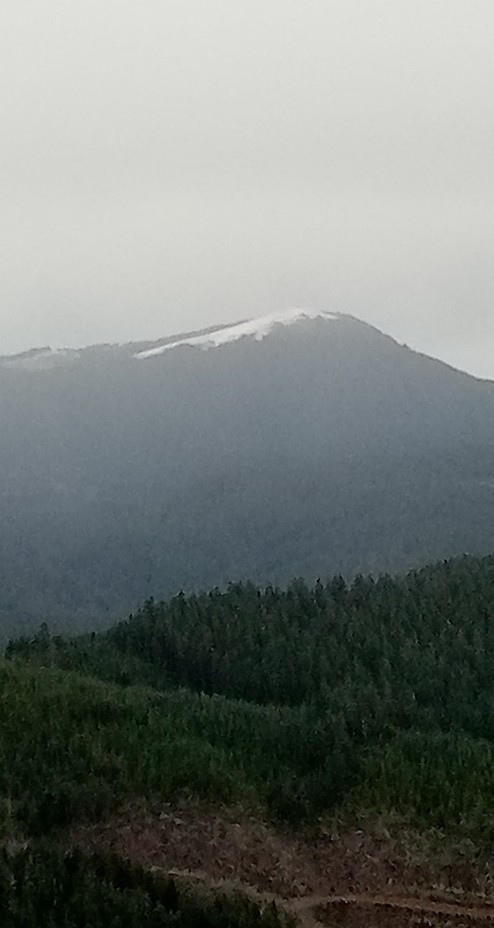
column 359, row 877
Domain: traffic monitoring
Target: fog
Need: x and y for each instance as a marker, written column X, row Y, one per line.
column 177, row 163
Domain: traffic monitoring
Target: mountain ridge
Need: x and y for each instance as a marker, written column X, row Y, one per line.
column 154, row 347
column 323, row 448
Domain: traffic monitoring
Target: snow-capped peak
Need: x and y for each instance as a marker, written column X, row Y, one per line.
column 255, row 328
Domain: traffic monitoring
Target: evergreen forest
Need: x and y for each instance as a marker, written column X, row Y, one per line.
column 302, row 703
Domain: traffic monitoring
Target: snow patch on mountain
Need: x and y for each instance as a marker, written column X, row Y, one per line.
column 40, row 358
column 255, row 328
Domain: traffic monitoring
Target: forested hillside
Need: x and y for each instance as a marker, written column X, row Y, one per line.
column 323, row 448
column 301, row 705
column 303, row 699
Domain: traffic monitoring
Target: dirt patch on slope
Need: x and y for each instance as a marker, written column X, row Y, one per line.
column 332, row 876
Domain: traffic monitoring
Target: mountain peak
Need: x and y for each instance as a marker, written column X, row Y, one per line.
column 255, row 328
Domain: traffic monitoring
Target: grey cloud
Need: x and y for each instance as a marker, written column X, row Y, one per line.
column 177, row 163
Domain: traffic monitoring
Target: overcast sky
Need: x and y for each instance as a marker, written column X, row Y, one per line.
column 169, row 164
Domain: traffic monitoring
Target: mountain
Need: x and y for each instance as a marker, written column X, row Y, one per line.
column 306, row 443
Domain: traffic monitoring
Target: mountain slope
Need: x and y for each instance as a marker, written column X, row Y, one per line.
column 314, row 447
column 327, row 749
